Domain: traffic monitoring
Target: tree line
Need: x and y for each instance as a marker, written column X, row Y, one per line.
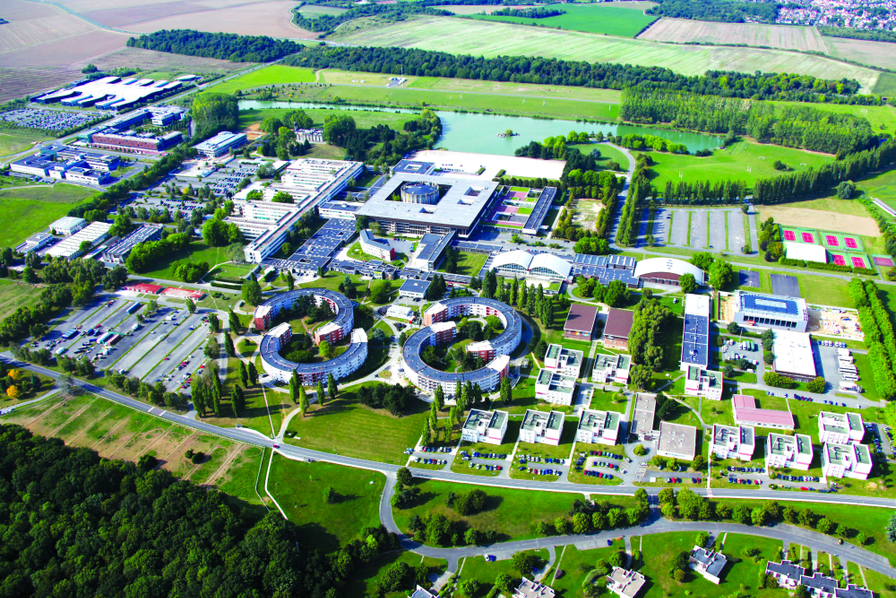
column 725, row 11
column 638, row 190
column 538, row 12
column 878, row 35
column 879, row 335
column 223, row 46
column 324, row 23
column 791, row 126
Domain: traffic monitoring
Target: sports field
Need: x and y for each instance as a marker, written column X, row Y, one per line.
column 30, row 210
column 481, row 38
column 590, row 18
column 795, row 214
column 741, row 161
column 785, row 37
column 15, row 295
column 276, row 74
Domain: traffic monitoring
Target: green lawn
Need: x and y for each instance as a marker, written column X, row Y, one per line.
column 16, row 140
column 590, row 18
column 364, row 579
column 275, row 74
column 299, row 488
column 731, row 163
column 196, row 252
column 881, row 186
column 346, row 427
column 15, row 295
column 576, row 564
column 476, row 567
column 240, row 479
column 31, row 210
column 468, row 264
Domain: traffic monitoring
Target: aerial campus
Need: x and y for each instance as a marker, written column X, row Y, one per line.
column 418, row 299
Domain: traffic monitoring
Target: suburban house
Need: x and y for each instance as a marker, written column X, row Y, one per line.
column 707, row 563
column 625, row 583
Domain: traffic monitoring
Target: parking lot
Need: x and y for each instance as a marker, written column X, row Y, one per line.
column 827, row 365
column 224, row 181
column 485, row 461
column 714, row 229
column 49, row 119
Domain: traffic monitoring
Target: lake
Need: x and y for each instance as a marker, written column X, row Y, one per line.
column 474, row 132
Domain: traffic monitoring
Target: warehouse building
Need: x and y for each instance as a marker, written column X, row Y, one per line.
column 794, row 357
column 771, row 311
column 599, row 427
column 540, row 427
column 109, row 93
column 118, row 253
column 677, row 441
column 67, row 226
column 415, row 204
column 220, row 144
column 35, row 242
column 70, row 248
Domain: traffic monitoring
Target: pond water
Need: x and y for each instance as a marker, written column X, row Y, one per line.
column 473, row 132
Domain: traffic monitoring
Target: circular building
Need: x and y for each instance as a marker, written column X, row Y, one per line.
column 438, row 329
column 426, row 193
column 340, row 327
column 666, row 271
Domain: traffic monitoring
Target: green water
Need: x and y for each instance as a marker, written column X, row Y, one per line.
column 478, row 133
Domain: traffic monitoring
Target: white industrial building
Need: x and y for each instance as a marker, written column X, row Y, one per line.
column 806, row 252
column 794, row 357
column 67, row 226
column 70, row 248
column 220, row 144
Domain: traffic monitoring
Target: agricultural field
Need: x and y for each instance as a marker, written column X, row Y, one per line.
column 276, row 74
column 118, row 432
column 15, row 140
column 813, row 214
column 872, row 53
column 886, row 84
column 784, row 37
column 462, row 36
column 164, row 62
column 31, row 209
column 731, row 163
column 590, row 18
column 15, row 295
column 312, row 11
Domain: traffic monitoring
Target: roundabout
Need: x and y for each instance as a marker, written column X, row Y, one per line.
column 280, row 368
column 439, row 328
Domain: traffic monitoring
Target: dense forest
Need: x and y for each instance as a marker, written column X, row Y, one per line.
column 878, row 35
column 519, row 69
column 214, row 112
column 78, row 525
column 791, row 126
column 529, row 13
column 380, row 145
column 727, row 11
column 324, row 23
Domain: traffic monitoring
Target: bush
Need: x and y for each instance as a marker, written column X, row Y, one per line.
column 816, row 385
column 639, row 450
column 777, row 380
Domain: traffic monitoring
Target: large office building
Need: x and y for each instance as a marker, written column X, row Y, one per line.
column 611, row 368
column 485, row 426
column 315, row 181
column 220, row 144
column 556, row 388
column 599, row 427
column 677, row 441
column 281, row 369
column 746, row 413
column 109, row 93
column 414, row 204
column 664, row 271
column 700, row 382
column 794, row 357
column 733, row 442
column 791, row 452
column 846, row 460
column 70, row 248
column 430, row 251
column 527, row 264
column 771, row 311
column 118, row 253
column 643, row 415
column 344, row 210
column 565, row 361
column 376, row 247
column 840, row 428
column 129, row 142
column 580, row 322
column 540, row 427
column 695, row 339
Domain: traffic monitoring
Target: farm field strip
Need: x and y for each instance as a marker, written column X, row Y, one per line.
column 785, row 37
column 872, row 53
column 463, row 36
column 590, row 18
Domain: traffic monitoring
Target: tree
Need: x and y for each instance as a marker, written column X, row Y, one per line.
column 733, row 328
column 329, row 495
column 405, row 477
column 244, row 373
column 641, row 377
column 325, row 349
column 524, row 562
column 331, row 386
column 320, row 392
column 228, row 345
column 212, row 348
column 817, row 384
column 290, row 280
column 337, row 129
column 688, row 283
column 251, row 291
column 191, row 307
column 721, row 274
column 237, row 400
column 234, row 322
column 303, row 401
column 253, row 374
column 846, row 190
column 470, row 587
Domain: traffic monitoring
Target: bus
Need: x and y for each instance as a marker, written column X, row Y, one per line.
column 134, row 307
column 59, row 351
column 114, row 340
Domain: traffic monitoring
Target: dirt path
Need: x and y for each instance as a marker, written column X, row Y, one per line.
column 74, row 415
column 225, row 465
column 177, row 447
column 109, row 432
column 130, row 438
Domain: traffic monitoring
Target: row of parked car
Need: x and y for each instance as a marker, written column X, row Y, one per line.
column 798, row 478
column 747, row 469
column 479, row 455
column 602, row 454
column 681, row 480
column 485, row 467
column 598, row 474
column 555, row 472
column 528, row 459
column 428, row 461
column 734, row 480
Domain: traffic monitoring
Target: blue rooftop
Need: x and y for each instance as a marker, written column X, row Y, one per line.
column 770, row 304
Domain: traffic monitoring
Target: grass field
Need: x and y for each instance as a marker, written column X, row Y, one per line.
column 313, row 11
column 576, row 564
column 276, row 74
column 476, row 567
column 197, row 252
column 14, row 140
column 346, row 427
column 785, row 37
column 364, row 580
column 731, row 163
column 590, row 18
column 331, row 525
column 881, row 186
column 468, row 264
column 886, row 84
column 480, row 38
column 15, row 295
column 30, row 210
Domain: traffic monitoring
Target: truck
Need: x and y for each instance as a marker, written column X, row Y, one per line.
column 134, row 308
column 135, row 327
column 111, row 342
column 59, row 351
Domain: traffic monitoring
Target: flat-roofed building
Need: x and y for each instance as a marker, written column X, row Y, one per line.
column 540, row 427
column 786, row 573
column 846, row 460
column 430, row 251
column 443, row 332
column 695, row 338
column 599, row 427
column 666, row 271
column 677, row 441
column 580, row 322
column 70, row 248
column 705, row 383
column 840, row 428
column 554, row 387
column 36, row 165
column 792, row 452
column 771, row 311
column 533, row 589
column 747, row 413
column 625, row 583
column 528, row 264
column 485, row 426
column 67, row 226
column 220, row 144
column 708, row 563
column 413, row 288
column 794, row 357
column 733, row 442
column 619, row 325
column 644, row 414
column 35, row 242
column 376, row 247
column 118, row 253
column 344, row 210
column 563, row 360
column 611, row 368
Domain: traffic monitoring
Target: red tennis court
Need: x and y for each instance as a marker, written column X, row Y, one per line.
column 789, row 235
column 832, row 241
column 858, row 262
column 850, row 242
column 838, row 259
column 883, row 261
column 808, row 238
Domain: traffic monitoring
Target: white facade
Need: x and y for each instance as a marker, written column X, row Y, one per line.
column 703, row 383
column 846, row 461
column 540, row 427
column 485, row 426
column 70, row 248
column 733, row 442
column 792, row 452
column 599, row 427
column 564, row 361
column 611, row 368
column 840, row 428
column 528, row 265
column 68, row 225
column 554, row 387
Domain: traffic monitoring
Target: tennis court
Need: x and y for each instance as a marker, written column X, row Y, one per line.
column 884, row 261
column 799, row 235
column 842, row 241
